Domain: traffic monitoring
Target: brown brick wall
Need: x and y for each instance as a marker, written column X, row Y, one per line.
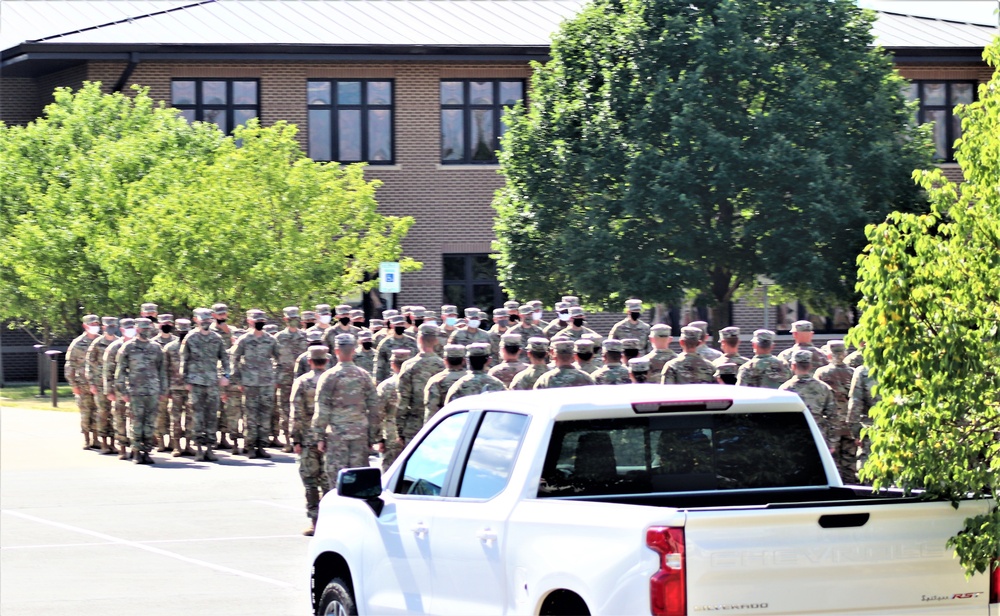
column 19, row 100
column 70, row 78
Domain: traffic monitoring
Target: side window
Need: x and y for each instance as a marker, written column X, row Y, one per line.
column 424, row 471
column 491, row 458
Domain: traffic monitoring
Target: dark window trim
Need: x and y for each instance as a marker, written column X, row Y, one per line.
column 948, row 108
column 496, row 107
column 364, row 107
column 468, row 282
column 199, row 107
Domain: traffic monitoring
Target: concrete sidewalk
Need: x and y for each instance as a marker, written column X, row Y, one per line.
column 91, row 534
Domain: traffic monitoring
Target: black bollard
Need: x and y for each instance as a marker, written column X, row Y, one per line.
column 42, row 365
column 54, row 375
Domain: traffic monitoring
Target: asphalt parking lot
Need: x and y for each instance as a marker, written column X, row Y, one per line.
column 90, row 534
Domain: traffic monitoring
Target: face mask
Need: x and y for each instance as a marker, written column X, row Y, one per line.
column 204, row 325
column 514, row 318
column 473, row 323
column 537, row 316
column 635, row 315
column 113, row 331
column 166, row 328
column 418, row 322
column 93, row 329
column 430, row 322
column 399, row 329
column 259, row 326
column 564, row 316
column 502, row 323
column 325, row 319
column 309, row 324
column 344, row 321
column 144, row 333
column 220, row 321
column 129, row 332
column 450, row 321
column 578, row 322
column 366, row 345
column 585, row 356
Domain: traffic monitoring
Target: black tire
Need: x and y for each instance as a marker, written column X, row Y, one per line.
column 337, row 600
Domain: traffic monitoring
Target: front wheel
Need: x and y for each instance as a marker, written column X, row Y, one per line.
column 337, row 600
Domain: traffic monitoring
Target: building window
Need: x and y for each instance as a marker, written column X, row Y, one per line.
column 937, row 104
column 228, row 103
column 350, row 121
column 471, row 280
column 470, row 118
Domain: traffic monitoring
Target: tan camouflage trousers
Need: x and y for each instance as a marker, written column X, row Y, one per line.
column 181, row 423
column 231, row 411
column 259, row 401
column 120, row 413
column 105, row 425
column 205, row 409
column 392, row 451
column 845, row 456
column 862, row 457
column 312, row 470
column 162, row 425
column 88, row 409
column 344, row 453
column 144, row 409
column 279, row 423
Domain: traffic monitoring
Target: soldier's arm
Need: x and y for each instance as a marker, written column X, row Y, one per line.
column 90, row 368
column 161, row 368
column 70, row 367
column 432, row 398
column 404, row 391
column 323, row 411
column 381, row 361
column 856, row 404
column 184, row 360
column 295, row 402
column 121, row 370
column 234, row 360
column 372, row 407
column 224, row 359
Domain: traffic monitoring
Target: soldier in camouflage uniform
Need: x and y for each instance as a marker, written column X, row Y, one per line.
column 438, row 385
column 449, row 318
column 364, row 358
column 817, row 396
column 324, row 316
column 254, row 359
column 501, row 325
column 397, row 339
column 861, row 401
column 838, row 376
column 412, row 379
column 631, row 348
column 764, row 369
column 706, row 352
column 729, row 340
column 313, row 338
column 347, row 405
column 76, row 374
column 511, row 365
column 565, row 374
column 309, row 318
column 632, row 326
column 94, row 372
column 387, row 413
column 576, row 328
column 141, row 372
column 471, row 334
column 341, row 325
column 584, row 351
column 291, row 343
column 477, row 381
column 638, row 370
column 162, row 339
column 689, row 366
column 358, row 319
column 613, row 372
column 856, row 358
column 559, row 323
column 148, row 311
column 802, row 332
column 538, row 359
column 527, row 328
column 119, row 411
column 725, row 373
column 378, row 336
column 231, row 409
column 205, row 370
column 302, row 401
column 181, row 421
column 537, row 315
column 660, row 339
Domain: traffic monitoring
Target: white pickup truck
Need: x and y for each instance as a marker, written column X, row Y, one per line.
column 632, row 499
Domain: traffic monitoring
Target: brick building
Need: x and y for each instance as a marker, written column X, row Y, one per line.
column 413, row 87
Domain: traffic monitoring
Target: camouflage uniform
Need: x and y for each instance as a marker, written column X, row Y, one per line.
column 119, row 412
column 438, row 385
column 818, row 358
column 231, row 410
column 201, row 354
column 626, row 328
column 763, row 370
column 855, row 360
column 253, row 362
column 181, row 420
column 387, row 418
column 162, row 425
column 737, row 359
column 76, row 374
column 472, row 383
column 312, row 467
column 526, row 378
column 290, row 344
column 500, row 327
column 818, row 397
column 612, row 374
column 572, row 332
column 706, row 352
column 687, row 368
column 563, row 376
column 861, row 401
column 412, row 379
column 384, row 353
column 838, row 376
column 142, row 373
column 506, row 371
column 347, row 403
column 94, row 373
column 468, row 336
column 365, row 358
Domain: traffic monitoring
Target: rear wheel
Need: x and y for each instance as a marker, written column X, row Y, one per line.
column 337, row 600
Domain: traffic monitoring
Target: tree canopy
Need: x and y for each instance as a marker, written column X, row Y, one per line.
column 112, row 200
column 671, row 147
column 930, row 285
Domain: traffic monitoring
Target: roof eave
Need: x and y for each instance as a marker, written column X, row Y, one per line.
column 936, row 55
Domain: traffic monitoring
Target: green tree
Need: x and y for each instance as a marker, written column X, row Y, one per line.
column 672, row 146
column 930, row 285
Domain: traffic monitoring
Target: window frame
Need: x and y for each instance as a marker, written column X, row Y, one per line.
column 947, row 108
column 229, row 107
column 468, row 282
column 467, row 108
column 334, row 107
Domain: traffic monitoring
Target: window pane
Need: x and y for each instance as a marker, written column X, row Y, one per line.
column 933, row 94
column 911, row 91
column 492, row 455
column 319, row 93
column 484, row 296
column 484, row 268
column 451, row 93
column 379, row 92
column 482, row 135
column 937, row 116
column 189, row 114
column 213, row 92
column 956, row 128
column 349, row 134
column 961, row 93
column 454, row 268
column 455, row 294
column 510, row 92
column 242, row 116
column 348, row 92
column 424, row 471
column 319, row 135
column 218, row 117
column 481, row 92
column 379, row 135
column 244, row 92
column 182, row 92
column 452, row 138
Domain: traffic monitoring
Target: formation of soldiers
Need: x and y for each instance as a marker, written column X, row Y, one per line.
column 333, row 390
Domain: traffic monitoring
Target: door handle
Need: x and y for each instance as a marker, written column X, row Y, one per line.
column 487, row 536
column 420, row 529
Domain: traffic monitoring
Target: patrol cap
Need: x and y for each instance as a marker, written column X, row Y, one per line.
column 638, row 364
column 583, row 345
column 320, row 351
column 109, row 321
column 660, row 330
column 454, row 350
column 429, row 330
column 322, row 308
column 802, row 326
column 511, row 305
column 449, row 309
column 202, row 314
column 166, row 317
column 256, row 315
column 290, row 312
column 802, row 357
column 461, row 322
column 365, row 336
column 596, row 338
column 512, row 340
column 220, row 309
column 538, row 344
column 471, row 313
column 376, row 324
column 562, row 306
column 564, row 346
column 702, row 325
column 727, row 368
column 478, row 349
column 309, row 315
column 401, row 355
column 271, row 328
column 536, row 304
column 525, row 309
column 691, row 334
column 407, row 309
column 150, row 307
column 343, row 309
column 143, row 323
column 633, row 305
column 91, row 319
column 126, row 323
column 183, row 325
column 571, row 300
column 397, row 319
column 419, row 312
column 575, row 311
column 315, row 335
column 357, row 314
column 500, row 313
column 341, row 341
column 729, row 333
column 763, row 335
column 389, row 313
column 837, row 346
column 631, row 343
column 613, row 345
column 430, row 314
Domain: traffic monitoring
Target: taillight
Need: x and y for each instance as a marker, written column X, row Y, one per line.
column 667, row 587
column 995, row 582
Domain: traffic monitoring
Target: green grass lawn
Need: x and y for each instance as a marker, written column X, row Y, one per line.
column 22, row 396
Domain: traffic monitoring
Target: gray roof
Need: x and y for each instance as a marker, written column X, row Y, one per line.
column 894, row 31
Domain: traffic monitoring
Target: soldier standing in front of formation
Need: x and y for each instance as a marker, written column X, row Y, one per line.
column 632, row 326
column 347, row 405
column 565, row 374
column 181, row 420
column 231, row 408
column 364, row 358
column 302, row 404
column 862, row 399
column 838, row 376
column 660, row 339
column 707, row 353
column 477, row 380
column 162, row 425
column 386, row 414
column 817, row 396
column 538, row 358
column 412, row 379
column 802, row 332
column 291, row 343
column 254, row 358
column 119, row 411
column 613, row 372
column 94, row 372
column 729, row 340
column 205, row 370
column 510, row 349
column 764, row 369
column 397, row 339
column 438, row 385
column 689, row 366
column 76, row 374
column 142, row 374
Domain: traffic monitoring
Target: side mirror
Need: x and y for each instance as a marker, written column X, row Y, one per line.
column 364, row 483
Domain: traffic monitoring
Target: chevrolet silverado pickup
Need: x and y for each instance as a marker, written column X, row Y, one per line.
column 633, row 499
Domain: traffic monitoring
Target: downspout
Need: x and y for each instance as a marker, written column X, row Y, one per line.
column 133, row 61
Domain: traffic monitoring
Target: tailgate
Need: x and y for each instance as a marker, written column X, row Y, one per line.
column 871, row 558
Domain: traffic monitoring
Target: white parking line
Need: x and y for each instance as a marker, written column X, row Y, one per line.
column 147, row 542
column 53, row 545
column 148, row 548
